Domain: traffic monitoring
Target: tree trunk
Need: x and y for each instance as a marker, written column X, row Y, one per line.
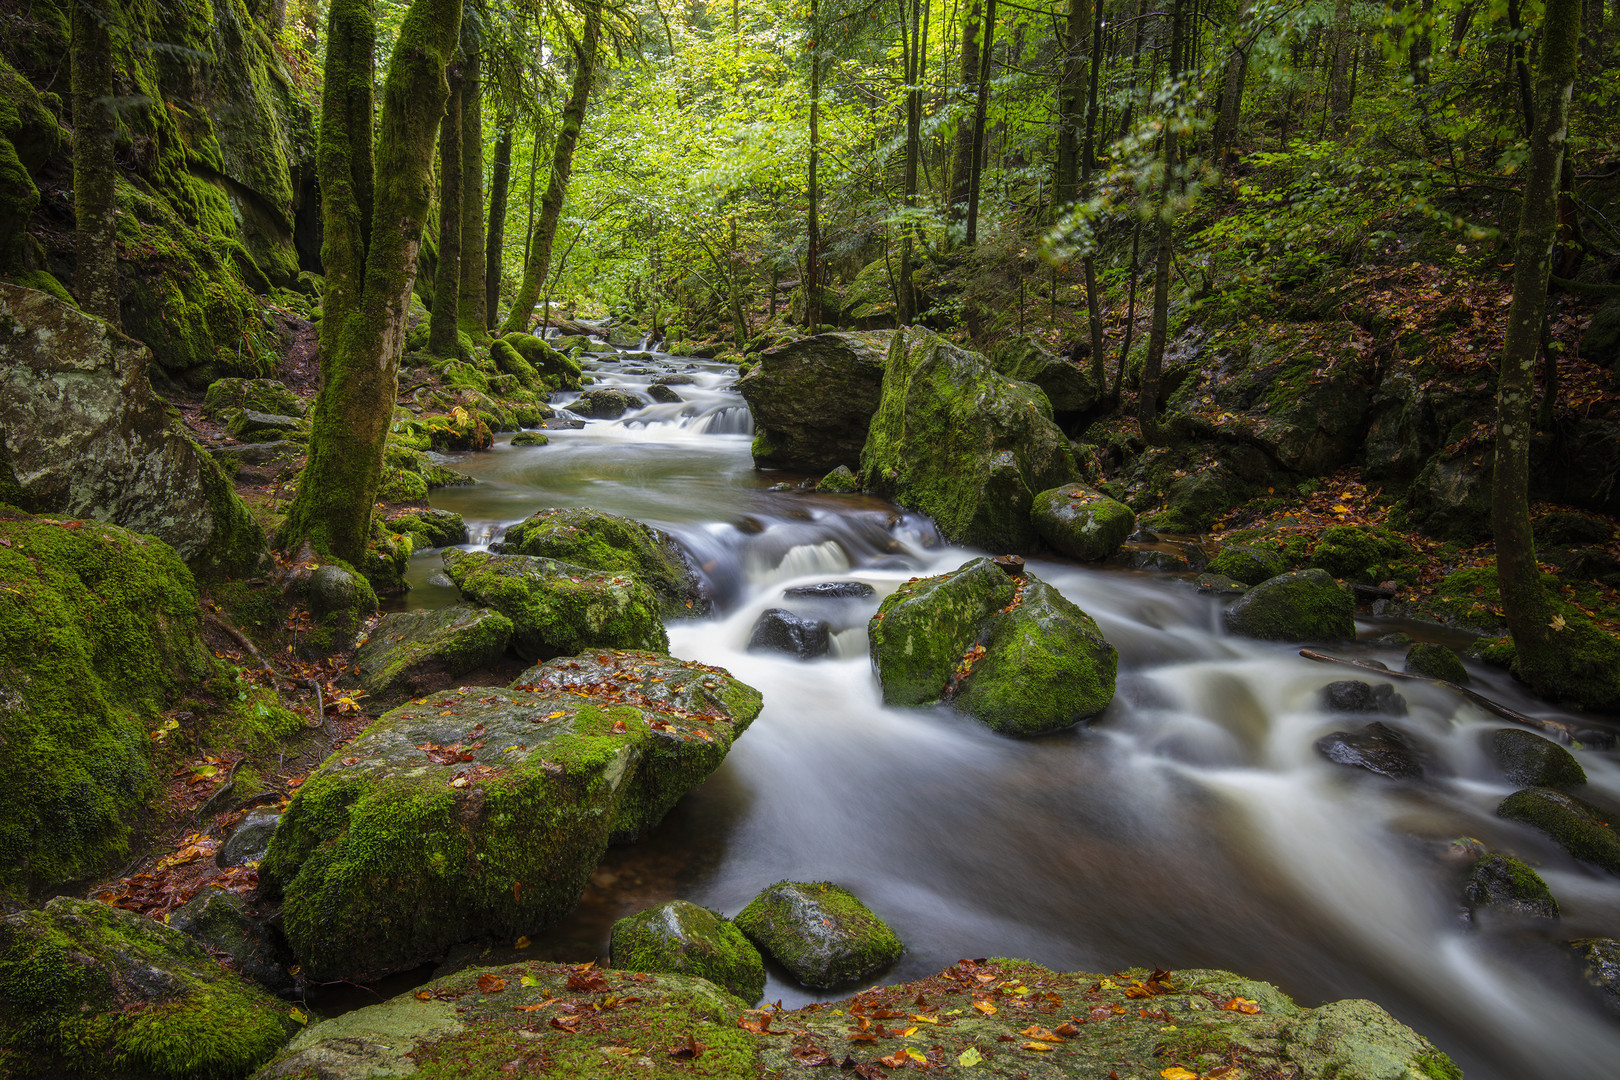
column 962, row 165
column 447, row 271
column 472, row 315
column 562, row 164
column 1539, row 657
column 812, row 258
column 1420, row 54
column 1339, row 93
column 1147, row 402
column 1071, row 101
column 906, row 299
column 1226, row 122
column 1088, row 161
column 364, row 325
column 980, row 109
column 500, row 183
column 95, row 177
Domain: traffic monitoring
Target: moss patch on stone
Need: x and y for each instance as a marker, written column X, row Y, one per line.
column 1305, row 605
column 1366, row 554
column 820, row 932
column 925, row 627
column 678, row 938
column 1435, row 661
column 1082, row 523
column 590, row 538
column 415, row 652
column 1576, row 824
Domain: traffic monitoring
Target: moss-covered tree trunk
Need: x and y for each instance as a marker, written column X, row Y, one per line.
column 472, row 316
column 812, row 228
column 1147, row 400
column 95, row 178
column 562, row 165
column 1528, row 609
column 500, row 184
column 364, row 329
column 447, row 271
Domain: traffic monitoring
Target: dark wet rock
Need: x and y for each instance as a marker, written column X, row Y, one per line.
column 606, row 403
column 225, row 923
column 1581, row 828
column 1249, row 563
column 1435, row 661
column 258, row 395
column 484, row 812
column 562, row 423
column 87, row 985
column 1451, row 497
column 1305, row 605
column 840, row 480
column 1506, row 884
column 677, row 379
column 1378, row 748
column 1355, row 696
column 830, row 590
column 530, row 438
column 678, row 938
column 250, row 839
column 1219, row 585
column 813, row 399
column 411, row 653
column 109, row 450
column 590, row 538
column 430, row 528
column 250, row 426
column 1600, row 967
column 661, row 392
column 1570, row 527
column 1066, row 385
column 777, row 630
column 1082, row 523
column 557, row 608
column 957, row 441
column 1529, row 760
column 820, row 932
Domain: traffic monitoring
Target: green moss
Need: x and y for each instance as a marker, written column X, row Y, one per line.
column 840, row 481
column 1082, row 523
column 1435, row 661
column 819, row 931
column 1576, row 824
column 46, row 282
column 462, row 376
column 1437, row 1066
column 1248, row 563
column 1366, row 554
column 1305, row 605
column 590, row 538
column 683, row 939
column 530, row 438
column 923, row 629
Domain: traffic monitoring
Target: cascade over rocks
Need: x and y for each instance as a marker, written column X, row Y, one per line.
column 813, row 399
column 600, row 541
column 483, row 811
column 820, row 932
column 955, row 440
column 678, row 938
column 82, row 433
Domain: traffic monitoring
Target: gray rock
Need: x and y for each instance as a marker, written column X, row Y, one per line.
column 226, row 923
column 1082, row 523
column 678, row 379
column 830, row 590
column 250, row 839
column 333, row 589
column 820, row 932
column 250, row 426
column 777, row 630
column 813, row 399
column 1600, row 966
column 259, row 453
column 1506, row 884
column 1355, row 696
column 1219, row 585
column 1528, row 760
column 260, row 395
column 1378, row 748
column 661, row 392
column 679, row 938
column 1068, row 387
column 412, row 653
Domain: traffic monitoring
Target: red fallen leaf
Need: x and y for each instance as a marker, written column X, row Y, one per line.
column 1101, row 1012
column 896, row 1059
column 591, row 983
column 1068, row 1031
column 1005, row 1038
column 618, row 727
column 691, row 1050
column 568, row 1024
column 1240, row 1005
column 491, row 984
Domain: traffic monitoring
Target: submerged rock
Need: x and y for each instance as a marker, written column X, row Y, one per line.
column 678, row 938
column 90, row 990
column 813, row 399
column 1506, row 884
column 556, row 608
column 1529, row 760
column 820, row 932
column 1219, row 585
column 777, row 630
column 830, row 590
column 1580, row 827
column 1355, row 696
column 957, row 441
column 484, row 1014
column 484, row 811
column 411, row 653
column 1082, row 523
column 225, row 923
column 661, row 392
column 1435, row 661
column 1600, row 966
column 1378, row 748
column 1305, row 605
column 581, row 536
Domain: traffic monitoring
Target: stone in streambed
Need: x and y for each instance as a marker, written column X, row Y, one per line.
column 830, row 590
column 1435, row 661
column 225, row 923
column 483, row 812
column 530, row 438
column 925, row 627
column 410, row 653
column 1248, row 563
column 1355, row 696
column 590, row 538
column 1529, row 760
column 661, row 392
column 429, row 528
column 607, row 403
column 1581, row 828
column 1378, row 748
column 813, row 399
column 820, row 932
column 840, row 481
column 1600, row 967
column 1306, row 605
column 678, row 938
column 1082, row 523
column 559, row 609
column 777, row 630
column 1506, row 884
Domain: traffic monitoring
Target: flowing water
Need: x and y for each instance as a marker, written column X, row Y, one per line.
column 1191, row 825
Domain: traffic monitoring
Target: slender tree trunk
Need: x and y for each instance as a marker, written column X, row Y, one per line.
column 1071, row 101
column 1339, row 93
column 812, row 258
column 1539, row 660
column 447, row 272
column 1521, row 69
column 980, row 109
column 1130, row 313
column 473, row 308
column 962, row 164
column 906, row 307
column 500, row 183
column 562, row 165
column 534, row 168
column 1088, row 161
column 1226, row 121
column 364, row 325
column 1421, row 51
column 1147, row 403
column 95, row 177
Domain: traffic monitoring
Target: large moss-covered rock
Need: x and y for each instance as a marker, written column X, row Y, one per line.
column 228, row 925
column 1305, row 605
column 678, row 938
column 1530, row 760
column 925, row 627
column 89, row 990
column 1248, row 563
column 955, row 440
column 82, row 433
column 590, row 538
column 1367, row 554
column 820, row 932
column 1436, row 661
column 1581, row 828
column 429, row 528
column 812, row 399
column 868, row 301
column 1082, row 523
column 476, row 1023
column 410, row 653
column 1066, row 385
column 259, row 395
column 1506, row 884
column 558, row 608
column 554, row 370
column 98, row 633
column 484, row 811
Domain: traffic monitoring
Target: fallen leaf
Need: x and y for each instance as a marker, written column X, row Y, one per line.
column 690, row 1050
column 491, row 984
column 969, row 1057
column 1241, row 1005
column 523, row 943
column 1043, row 1047
column 423, row 995
column 985, row 1007
column 1176, row 1072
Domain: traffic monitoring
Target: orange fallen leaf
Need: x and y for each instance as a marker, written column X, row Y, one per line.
column 491, row 984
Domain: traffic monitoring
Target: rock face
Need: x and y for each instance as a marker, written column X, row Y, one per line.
column 584, row 537
column 465, row 1017
column 412, row 653
column 812, row 399
column 83, row 434
column 970, row 448
column 679, row 938
column 820, row 932
column 1506, row 884
column 1068, row 387
column 1580, row 827
column 556, row 608
column 1529, row 760
column 1082, row 523
column 1305, row 605
column 89, row 990
column 1378, row 748
column 484, row 811
column 777, row 630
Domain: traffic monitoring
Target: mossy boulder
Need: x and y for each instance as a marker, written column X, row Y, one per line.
column 341, row 600
column 957, row 441
column 840, row 481
column 925, row 627
column 554, row 370
column 1600, row 967
column 1601, row 342
column 1435, row 661
column 1304, row 605
column 1529, row 760
column 85, row 435
column 227, row 924
column 1067, row 386
column 483, row 812
column 476, row 1023
column 820, row 932
column 558, row 608
column 260, row 395
column 678, row 938
column 89, row 990
column 1580, row 827
column 813, row 399
column 1082, row 523
column 1364, row 554
column 600, row 541
column 1504, row 883
column 531, row 438
column 411, row 653
column 868, row 301
column 1248, row 563
column 606, row 403
column 430, row 528
column 249, row 426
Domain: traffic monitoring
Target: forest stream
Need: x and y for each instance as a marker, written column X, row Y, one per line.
column 1193, row 824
